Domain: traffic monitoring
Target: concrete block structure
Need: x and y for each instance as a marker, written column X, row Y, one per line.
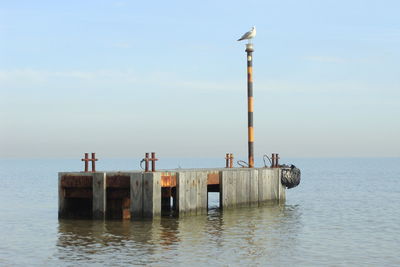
column 137, row 195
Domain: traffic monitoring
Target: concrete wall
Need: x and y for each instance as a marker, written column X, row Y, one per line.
column 99, row 195
column 191, row 189
column 244, row 187
column 238, row 187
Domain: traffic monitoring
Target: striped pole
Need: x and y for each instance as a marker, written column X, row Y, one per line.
column 249, row 51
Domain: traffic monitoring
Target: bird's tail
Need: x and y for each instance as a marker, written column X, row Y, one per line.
column 240, row 39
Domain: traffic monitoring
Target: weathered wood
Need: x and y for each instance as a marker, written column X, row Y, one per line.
column 99, row 195
column 136, row 185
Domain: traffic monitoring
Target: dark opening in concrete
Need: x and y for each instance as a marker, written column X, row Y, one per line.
column 77, row 208
column 118, row 203
column 213, row 197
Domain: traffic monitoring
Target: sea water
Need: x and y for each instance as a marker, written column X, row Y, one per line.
column 345, row 212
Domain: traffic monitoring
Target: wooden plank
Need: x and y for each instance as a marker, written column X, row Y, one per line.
column 136, row 193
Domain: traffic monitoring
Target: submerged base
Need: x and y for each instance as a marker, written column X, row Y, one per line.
column 138, row 195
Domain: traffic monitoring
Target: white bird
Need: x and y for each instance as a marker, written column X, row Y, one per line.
column 249, row 35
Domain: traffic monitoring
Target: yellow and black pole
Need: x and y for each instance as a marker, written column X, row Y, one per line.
column 249, row 51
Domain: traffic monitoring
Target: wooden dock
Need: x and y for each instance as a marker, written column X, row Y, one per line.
column 137, row 195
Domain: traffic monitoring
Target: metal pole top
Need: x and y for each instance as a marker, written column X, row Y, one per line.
column 249, row 47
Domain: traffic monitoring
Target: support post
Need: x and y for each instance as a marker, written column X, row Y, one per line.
column 61, row 198
column 151, row 194
column 249, row 51
column 99, row 195
column 136, row 195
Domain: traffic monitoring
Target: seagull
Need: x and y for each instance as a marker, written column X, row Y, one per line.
column 249, row 35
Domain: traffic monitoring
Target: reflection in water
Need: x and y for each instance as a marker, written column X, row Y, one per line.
column 245, row 234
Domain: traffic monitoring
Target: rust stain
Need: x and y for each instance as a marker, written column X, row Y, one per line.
column 126, row 214
column 168, row 181
column 118, row 181
column 78, row 193
column 70, row 181
column 118, row 193
column 213, row 178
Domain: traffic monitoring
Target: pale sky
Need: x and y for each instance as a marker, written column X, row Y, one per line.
column 122, row 78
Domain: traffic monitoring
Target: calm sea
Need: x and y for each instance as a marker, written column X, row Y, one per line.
column 346, row 212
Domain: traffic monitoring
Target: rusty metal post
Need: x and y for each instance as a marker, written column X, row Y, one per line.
column 94, row 162
column 273, row 160
column 146, row 162
column 249, row 51
column 231, row 160
column 86, row 160
column 276, row 160
column 227, row 160
column 153, row 161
